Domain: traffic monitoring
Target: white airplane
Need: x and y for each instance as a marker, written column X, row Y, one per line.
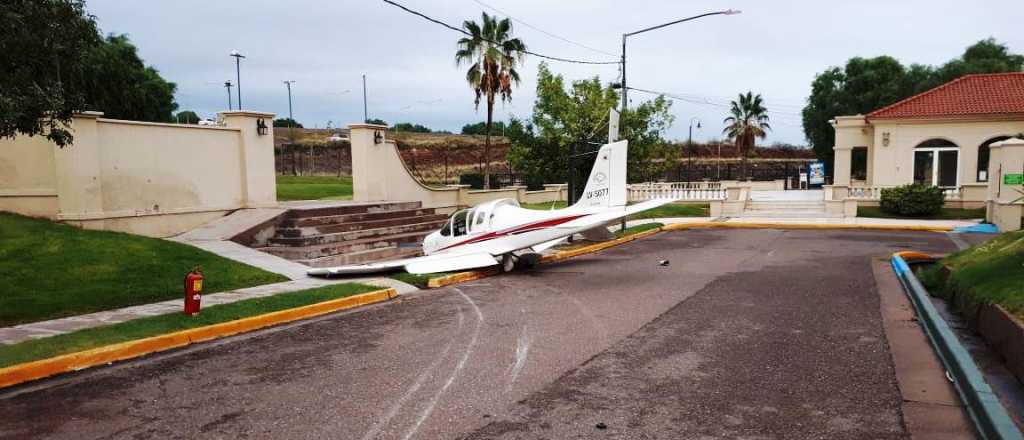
column 500, row 232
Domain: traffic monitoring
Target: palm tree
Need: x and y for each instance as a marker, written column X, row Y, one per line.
column 492, row 55
column 748, row 121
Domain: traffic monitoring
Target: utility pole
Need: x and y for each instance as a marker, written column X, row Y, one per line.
column 227, row 85
column 366, row 117
column 238, row 74
column 689, row 145
column 291, row 119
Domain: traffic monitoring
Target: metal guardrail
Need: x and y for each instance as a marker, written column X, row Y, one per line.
column 988, row 415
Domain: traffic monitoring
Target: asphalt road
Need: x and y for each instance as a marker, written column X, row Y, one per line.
column 747, row 333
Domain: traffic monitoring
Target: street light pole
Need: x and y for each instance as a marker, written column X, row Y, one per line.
column 227, row 85
column 366, row 118
column 238, row 75
column 689, row 145
column 630, row 34
column 291, row 119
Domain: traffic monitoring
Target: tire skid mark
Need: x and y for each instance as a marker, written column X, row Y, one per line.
column 397, row 406
column 522, row 351
column 456, row 371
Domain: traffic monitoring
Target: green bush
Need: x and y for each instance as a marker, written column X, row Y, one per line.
column 912, row 200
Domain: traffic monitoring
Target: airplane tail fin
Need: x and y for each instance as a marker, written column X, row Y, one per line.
column 606, row 186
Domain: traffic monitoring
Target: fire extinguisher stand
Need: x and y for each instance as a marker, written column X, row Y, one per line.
column 193, row 291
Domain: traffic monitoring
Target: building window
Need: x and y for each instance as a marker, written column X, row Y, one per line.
column 859, row 163
column 937, row 163
column 983, row 151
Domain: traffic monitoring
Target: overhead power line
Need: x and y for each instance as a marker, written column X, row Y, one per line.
column 695, row 99
column 464, row 32
column 558, row 37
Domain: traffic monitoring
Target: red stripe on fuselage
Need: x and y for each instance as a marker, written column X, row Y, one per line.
column 516, row 230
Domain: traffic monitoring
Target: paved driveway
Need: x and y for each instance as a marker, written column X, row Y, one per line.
column 747, row 333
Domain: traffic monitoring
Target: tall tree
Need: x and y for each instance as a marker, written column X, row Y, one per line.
column 492, row 55
column 120, row 85
column 747, row 121
column 577, row 114
column 866, row 84
column 44, row 47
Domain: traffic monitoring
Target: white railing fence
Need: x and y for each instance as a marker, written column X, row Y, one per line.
column 875, row 193
column 639, row 192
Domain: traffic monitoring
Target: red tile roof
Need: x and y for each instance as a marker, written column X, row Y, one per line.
column 979, row 94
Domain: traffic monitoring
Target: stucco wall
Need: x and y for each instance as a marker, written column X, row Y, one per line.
column 144, row 178
column 27, row 177
column 149, row 168
column 379, row 174
column 894, row 165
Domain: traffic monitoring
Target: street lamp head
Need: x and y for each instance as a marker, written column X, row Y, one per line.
column 236, row 54
column 732, row 12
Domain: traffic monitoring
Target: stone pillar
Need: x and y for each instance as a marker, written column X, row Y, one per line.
column 259, row 186
column 78, row 169
column 1005, row 202
column 369, row 157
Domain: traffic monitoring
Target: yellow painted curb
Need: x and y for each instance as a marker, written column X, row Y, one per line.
column 684, row 226
column 34, row 370
column 913, row 255
column 460, row 277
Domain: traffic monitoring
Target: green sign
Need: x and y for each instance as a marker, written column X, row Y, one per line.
column 1013, row 179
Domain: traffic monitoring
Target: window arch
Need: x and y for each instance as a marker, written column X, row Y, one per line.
column 983, row 154
column 937, row 163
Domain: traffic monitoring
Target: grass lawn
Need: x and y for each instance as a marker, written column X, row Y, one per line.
column 944, row 214
column 992, row 272
column 52, row 270
column 664, row 211
column 157, row 325
column 314, row 188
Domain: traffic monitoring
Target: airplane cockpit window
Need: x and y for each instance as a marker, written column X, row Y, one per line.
column 447, row 229
column 459, row 223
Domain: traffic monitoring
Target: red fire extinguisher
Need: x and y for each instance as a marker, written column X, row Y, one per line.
column 193, row 291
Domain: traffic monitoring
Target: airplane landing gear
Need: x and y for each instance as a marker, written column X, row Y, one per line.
column 508, row 262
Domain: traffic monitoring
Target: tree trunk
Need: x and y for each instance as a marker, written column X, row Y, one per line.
column 487, row 142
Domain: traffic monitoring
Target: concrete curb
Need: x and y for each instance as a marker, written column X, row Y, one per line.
column 682, row 226
column 29, row 371
column 988, row 415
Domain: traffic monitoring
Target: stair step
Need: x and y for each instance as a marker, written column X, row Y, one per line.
column 343, row 247
column 788, row 214
column 336, row 237
column 367, row 256
column 319, row 211
column 354, row 218
column 308, row 231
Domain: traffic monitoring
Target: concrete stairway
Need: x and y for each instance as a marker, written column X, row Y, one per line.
column 352, row 234
column 786, row 209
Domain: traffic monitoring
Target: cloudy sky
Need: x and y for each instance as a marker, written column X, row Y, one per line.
column 774, row 48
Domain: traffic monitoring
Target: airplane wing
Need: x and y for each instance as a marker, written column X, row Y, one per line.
column 547, row 245
column 416, row 265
